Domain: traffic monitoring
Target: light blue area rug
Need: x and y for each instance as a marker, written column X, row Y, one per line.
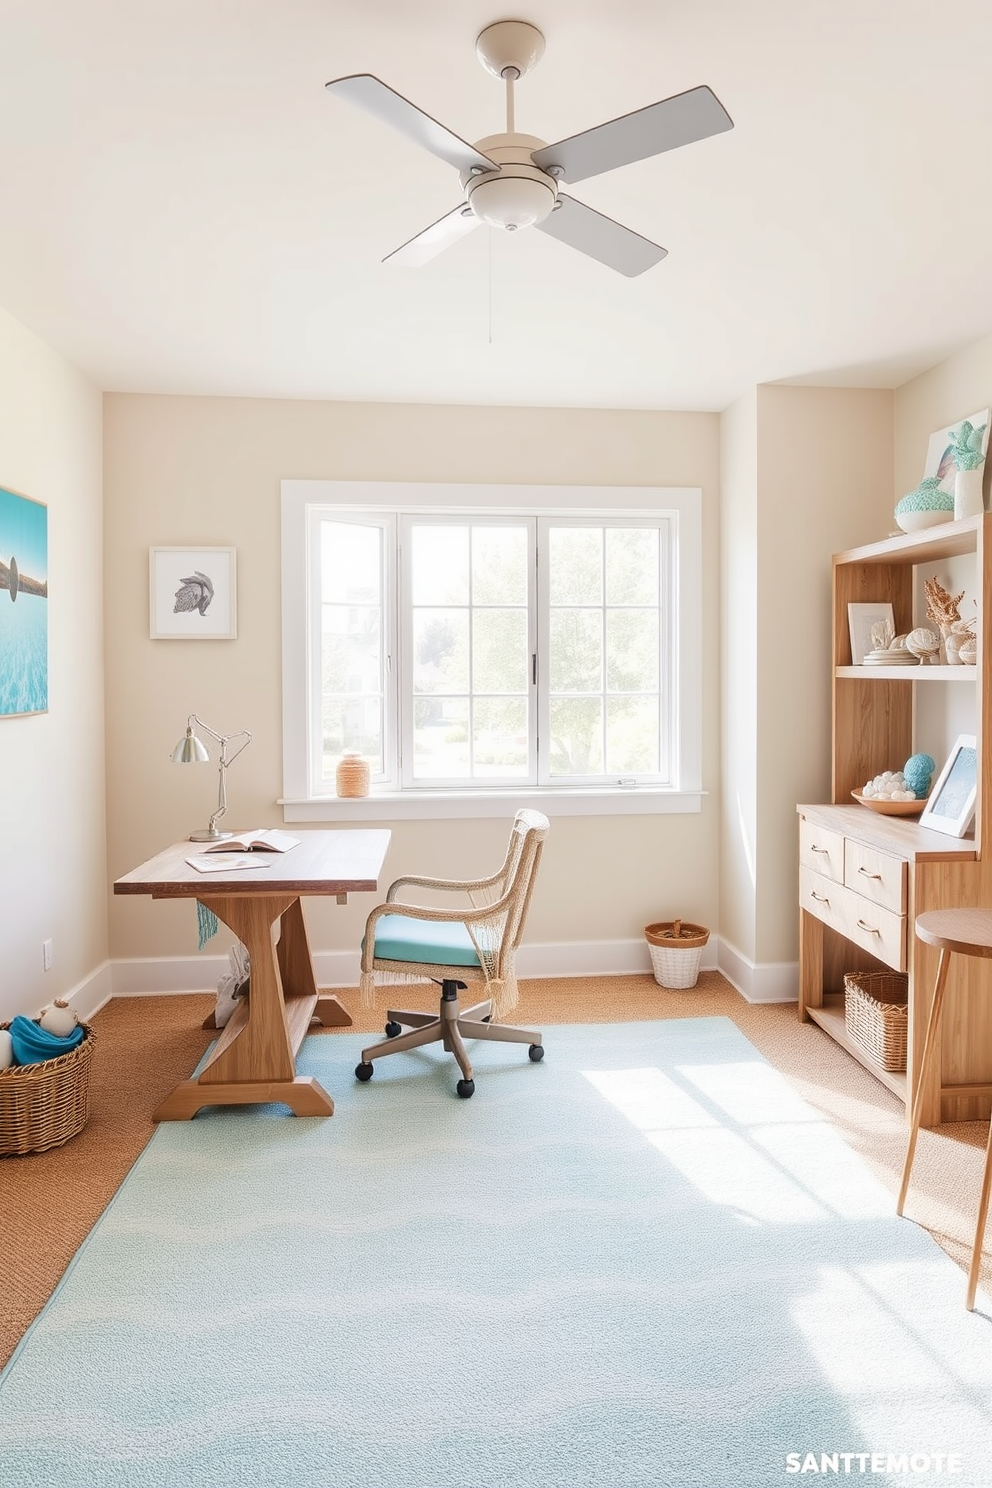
column 644, row 1262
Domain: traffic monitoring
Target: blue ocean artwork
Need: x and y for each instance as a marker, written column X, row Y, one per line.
column 23, row 605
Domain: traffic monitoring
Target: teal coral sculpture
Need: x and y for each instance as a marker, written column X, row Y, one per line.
column 966, row 445
column 917, row 773
column 927, row 497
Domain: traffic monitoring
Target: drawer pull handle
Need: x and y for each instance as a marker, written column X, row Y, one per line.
column 825, row 850
column 878, row 876
column 821, row 898
column 870, row 928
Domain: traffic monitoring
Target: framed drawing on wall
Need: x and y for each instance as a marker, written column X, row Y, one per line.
column 951, row 804
column 23, row 605
column 192, row 594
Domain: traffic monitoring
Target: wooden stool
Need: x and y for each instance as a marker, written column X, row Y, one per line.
column 968, row 932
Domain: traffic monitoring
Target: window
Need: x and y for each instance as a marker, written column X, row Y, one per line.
column 475, row 646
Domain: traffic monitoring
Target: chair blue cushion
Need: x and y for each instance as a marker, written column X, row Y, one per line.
column 443, row 942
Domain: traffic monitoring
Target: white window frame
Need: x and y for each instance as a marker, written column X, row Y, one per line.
column 374, row 501
column 312, row 598
column 408, row 520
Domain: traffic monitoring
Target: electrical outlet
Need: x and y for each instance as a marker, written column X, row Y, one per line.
column 46, row 955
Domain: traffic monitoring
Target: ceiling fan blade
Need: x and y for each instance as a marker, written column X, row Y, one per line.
column 392, row 108
column 680, row 120
column 434, row 239
column 574, row 223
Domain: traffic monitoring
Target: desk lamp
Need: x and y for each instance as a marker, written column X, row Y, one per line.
column 192, row 751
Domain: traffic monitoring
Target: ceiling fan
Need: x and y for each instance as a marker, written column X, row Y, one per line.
column 513, row 180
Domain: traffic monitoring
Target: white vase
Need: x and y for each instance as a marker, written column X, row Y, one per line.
column 968, row 500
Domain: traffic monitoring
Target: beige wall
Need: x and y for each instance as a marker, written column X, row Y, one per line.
column 825, row 484
column 948, row 392
column 739, row 672
column 807, row 473
column 207, row 471
column 53, row 879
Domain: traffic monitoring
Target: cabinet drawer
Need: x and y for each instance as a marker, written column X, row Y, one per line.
column 821, row 850
column 878, row 876
column 860, row 921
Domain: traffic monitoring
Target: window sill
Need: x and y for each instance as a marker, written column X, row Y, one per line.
column 441, row 804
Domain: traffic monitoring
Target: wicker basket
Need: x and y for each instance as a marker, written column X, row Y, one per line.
column 876, row 1016
column 676, row 951
column 43, row 1105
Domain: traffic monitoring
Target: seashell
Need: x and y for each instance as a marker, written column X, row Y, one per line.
column 968, row 651
column 923, row 642
column 898, row 643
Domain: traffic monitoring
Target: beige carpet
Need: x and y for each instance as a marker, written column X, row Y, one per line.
column 49, row 1201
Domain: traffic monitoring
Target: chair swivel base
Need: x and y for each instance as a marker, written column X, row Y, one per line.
column 450, row 1028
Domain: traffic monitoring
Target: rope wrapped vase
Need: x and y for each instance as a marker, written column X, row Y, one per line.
column 676, row 948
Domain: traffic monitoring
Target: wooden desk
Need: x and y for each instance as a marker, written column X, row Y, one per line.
column 254, row 1058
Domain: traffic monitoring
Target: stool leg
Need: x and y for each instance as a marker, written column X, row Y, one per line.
column 928, row 1046
column 983, row 1209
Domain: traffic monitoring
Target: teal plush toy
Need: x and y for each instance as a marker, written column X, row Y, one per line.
column 917, row 773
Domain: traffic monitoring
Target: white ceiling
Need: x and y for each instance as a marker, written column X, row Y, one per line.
column 183, row 209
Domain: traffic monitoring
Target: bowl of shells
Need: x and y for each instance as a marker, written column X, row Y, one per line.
column 889, row 795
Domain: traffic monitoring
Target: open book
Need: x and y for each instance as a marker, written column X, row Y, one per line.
column 264, row 841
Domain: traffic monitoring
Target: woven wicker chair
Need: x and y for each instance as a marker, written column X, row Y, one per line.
column 456, row 947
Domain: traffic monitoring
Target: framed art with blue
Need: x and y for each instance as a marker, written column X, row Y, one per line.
column 23, row 605
column 950, row 806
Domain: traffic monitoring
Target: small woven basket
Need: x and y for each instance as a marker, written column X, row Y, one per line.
column 43, row 1105
column 876, row 1016
column 676, row 949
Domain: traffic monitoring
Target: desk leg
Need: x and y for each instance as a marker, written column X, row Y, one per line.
column 254, row 1057
column 296, row 968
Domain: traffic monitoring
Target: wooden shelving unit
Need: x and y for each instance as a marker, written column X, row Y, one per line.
column 865, row 877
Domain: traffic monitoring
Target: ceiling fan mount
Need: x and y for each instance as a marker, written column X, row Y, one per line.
column 513, row 180
column 507, row 46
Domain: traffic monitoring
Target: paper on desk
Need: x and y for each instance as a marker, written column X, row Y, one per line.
column 206, row 864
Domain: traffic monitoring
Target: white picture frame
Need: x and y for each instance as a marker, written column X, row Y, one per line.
column 860, row 619
column 950, row 805
column 192, row 594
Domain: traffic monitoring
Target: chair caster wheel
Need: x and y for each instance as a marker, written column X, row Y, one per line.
column 536, row 1052
column 363, row 1071
column 393, row 1029
column 465, row 1088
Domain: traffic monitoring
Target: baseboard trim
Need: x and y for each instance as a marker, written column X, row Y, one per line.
column 759, row 982
column 154, row 976
column 93, row 992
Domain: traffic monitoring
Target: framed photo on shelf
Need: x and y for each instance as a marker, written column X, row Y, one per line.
column 950, row 805
column 860, row 619
column 192, row 594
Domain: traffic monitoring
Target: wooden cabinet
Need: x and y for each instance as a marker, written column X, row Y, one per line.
column 864, row 877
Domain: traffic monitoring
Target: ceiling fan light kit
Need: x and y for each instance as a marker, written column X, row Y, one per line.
column 517, row 194
column 511, row 180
